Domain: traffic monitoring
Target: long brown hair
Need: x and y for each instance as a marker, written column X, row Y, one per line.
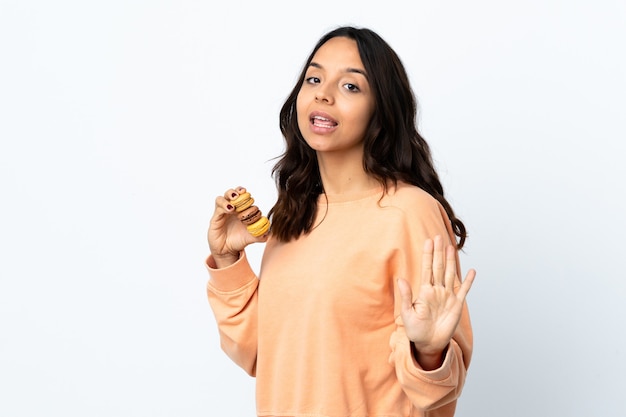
column 393, row 148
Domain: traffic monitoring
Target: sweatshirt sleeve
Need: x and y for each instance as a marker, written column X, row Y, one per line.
column 232, row 293
column 434, row 392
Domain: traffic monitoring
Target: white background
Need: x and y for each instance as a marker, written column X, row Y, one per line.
column 120, row 122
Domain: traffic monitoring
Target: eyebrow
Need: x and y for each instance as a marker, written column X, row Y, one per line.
column 349, row 69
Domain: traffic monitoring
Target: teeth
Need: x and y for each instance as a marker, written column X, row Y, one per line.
column 322, row 121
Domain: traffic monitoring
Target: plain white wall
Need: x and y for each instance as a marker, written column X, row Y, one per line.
column 121, row 121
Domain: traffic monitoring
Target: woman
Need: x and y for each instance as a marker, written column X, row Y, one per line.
column 358, row 309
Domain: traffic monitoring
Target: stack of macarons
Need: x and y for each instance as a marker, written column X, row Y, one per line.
column 250, row 215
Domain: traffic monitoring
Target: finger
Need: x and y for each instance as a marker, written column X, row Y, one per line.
column 233, row 193
column 406, row 295
column 222, row 205
column 438, row 261
column 450, row 267
column 466, row 285
column 427, row 262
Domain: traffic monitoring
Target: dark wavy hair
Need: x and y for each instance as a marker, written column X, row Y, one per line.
column 393, row 148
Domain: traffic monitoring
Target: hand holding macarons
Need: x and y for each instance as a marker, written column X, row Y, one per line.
column 235, row 224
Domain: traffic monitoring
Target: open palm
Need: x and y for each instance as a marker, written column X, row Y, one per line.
column 431, row 318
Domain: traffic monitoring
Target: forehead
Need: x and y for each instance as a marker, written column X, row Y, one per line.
column 338, row 52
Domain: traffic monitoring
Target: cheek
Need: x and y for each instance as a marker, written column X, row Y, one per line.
column 298, row 102
column 364, row 118
column 301, row 113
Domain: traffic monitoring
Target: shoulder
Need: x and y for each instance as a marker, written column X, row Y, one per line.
column 409, row 197
column 421, row 214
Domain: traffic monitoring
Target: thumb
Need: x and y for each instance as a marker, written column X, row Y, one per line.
column 406, row 295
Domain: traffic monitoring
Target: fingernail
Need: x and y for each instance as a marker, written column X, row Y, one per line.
column 233, row 195
column 229, row 207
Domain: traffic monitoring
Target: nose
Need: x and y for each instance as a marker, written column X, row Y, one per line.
column 322, row 95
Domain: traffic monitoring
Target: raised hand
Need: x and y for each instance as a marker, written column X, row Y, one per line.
column 227, row 236
column 431, row 318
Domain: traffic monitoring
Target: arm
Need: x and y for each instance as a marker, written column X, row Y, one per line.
column 232, row 294
column 232, row 289
column 431, row 347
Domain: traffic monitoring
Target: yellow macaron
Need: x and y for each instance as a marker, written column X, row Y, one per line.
column 242, row 202
column 260, row 227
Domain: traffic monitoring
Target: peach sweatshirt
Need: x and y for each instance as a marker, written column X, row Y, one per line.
column 320, row 327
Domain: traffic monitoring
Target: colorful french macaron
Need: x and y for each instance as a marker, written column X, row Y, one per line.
column 250, row 215
column 242, row 202
column 260, row 227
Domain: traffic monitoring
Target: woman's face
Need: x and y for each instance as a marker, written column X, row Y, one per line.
column 335, row 102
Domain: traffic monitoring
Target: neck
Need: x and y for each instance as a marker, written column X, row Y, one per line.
column 341, row 173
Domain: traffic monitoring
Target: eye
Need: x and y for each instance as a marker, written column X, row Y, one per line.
column 312, row 80
column 351, row 87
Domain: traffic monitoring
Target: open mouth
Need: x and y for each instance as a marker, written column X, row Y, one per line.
column 320, row 121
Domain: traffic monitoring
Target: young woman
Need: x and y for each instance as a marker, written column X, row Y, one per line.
column 358, row 309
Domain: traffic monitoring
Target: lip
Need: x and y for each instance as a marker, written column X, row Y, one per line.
column 321, row 122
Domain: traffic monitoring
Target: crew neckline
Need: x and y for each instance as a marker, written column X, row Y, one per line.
column 350, row 196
